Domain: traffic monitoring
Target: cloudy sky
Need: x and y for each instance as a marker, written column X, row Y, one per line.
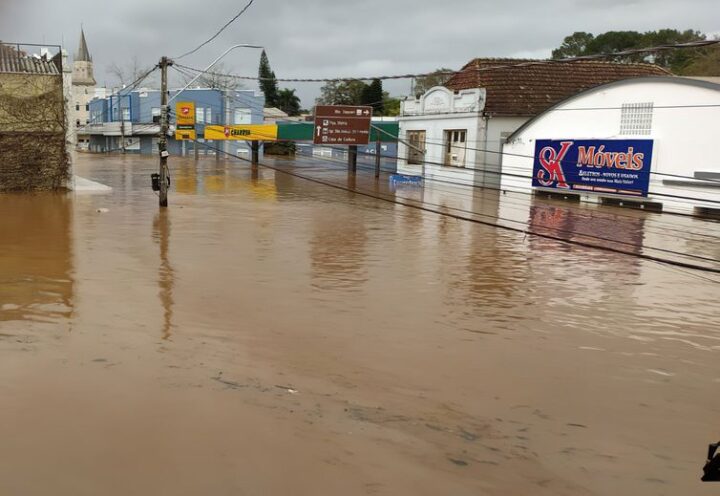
column 323, row 38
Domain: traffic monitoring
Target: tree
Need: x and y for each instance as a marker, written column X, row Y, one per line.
column 268, row 81
column 436, row 78
column 573, row 45
column 706, row 64
column 219, row 78
column 288, row 102
column 126, row 74
column 674, row 60
column 372, row 95
column 341, row 93
column 580, row 43
column 391, row 106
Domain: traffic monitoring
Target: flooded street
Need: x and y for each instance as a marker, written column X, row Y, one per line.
column 271, row 335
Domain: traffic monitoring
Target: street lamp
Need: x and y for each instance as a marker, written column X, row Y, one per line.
column 243, row 45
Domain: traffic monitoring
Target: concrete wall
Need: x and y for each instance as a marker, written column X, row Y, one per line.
column 685, row 127
column 33, row 152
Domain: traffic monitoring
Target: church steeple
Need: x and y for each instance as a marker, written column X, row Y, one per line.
column 83, row 54
column 83, row 65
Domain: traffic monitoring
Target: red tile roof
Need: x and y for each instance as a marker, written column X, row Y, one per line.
column 523, row 87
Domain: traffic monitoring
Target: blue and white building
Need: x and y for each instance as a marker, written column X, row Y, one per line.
column 130, row 120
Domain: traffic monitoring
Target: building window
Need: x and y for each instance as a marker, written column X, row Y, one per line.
column 200, row 114
column 87, row 121
column 636, row 118
column 126, row 114
column 77, row 107
column 155, row 114
column 208, row 115
column 416, row 150
column 77, row 123
column 455, row 147
column 243, row 116
column 87, row 107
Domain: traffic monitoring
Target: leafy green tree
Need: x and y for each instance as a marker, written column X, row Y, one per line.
column 581, row 43
column 674, row 60
column 341, row 93
column 372, row 96
column 436, row 78
column 573, row 45
column 706, row 64
column 268, row 81
column 391, row 106
column 288, row 102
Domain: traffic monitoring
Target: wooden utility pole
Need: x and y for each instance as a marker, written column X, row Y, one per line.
column 164, row 127
column 122, row 124
column 352, row 158
column 378, row 150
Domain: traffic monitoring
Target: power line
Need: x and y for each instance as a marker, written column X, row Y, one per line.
column 534, row 157
column 579, row 233
column 218, row 33
column 378, row 196
column 622, row 53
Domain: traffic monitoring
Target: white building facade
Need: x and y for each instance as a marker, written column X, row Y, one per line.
column 446, row 136
column 678, row 117
column 455, row 132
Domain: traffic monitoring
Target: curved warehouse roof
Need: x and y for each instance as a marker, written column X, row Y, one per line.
column 528, row 89
column 698, row 83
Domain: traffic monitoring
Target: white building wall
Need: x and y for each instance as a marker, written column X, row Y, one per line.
column 498, row 129
column 435, row 127
column 440, row 110
column 437, row 111
column 685, row 127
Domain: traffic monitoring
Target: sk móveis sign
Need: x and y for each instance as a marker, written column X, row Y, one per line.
column 620, row 167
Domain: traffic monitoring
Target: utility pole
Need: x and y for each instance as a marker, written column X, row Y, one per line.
column 164, row 127
column 228, row 120
column 378, row 150
column 352, row 158
column 122, row 124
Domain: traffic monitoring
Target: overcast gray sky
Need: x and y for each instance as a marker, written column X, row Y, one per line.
column 321, row 38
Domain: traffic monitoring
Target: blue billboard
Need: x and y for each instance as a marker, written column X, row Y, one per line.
column 619, row 167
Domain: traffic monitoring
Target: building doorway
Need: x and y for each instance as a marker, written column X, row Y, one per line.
column 455, row 147
column 416, row 150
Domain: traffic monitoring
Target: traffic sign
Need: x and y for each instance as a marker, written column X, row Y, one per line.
column 342, row 125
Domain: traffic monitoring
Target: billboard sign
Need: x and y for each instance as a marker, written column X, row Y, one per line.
column 242, row 132
column 619, row 167
column 185, row 121
column 342, row 125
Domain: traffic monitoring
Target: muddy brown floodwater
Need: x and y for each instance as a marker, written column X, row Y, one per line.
column 270, row 335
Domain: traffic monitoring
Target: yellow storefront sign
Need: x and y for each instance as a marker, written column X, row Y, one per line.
column 248, row 132
column 185, row 113
column 185, row 121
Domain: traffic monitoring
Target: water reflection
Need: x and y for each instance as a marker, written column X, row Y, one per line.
column 582, row 225
column 36, row 257
column 166, row 275
column 338, row 250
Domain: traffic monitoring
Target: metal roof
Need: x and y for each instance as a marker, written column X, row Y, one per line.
column 14, row 60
